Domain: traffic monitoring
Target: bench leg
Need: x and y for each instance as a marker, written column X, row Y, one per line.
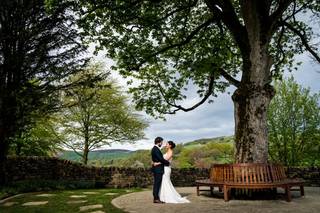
column 225, row 193
column 220, row 189
column 198, row 193
column 211, row 190
column 288, row 193
column 302, row 190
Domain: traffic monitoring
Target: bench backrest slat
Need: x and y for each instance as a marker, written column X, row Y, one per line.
column 247, row 173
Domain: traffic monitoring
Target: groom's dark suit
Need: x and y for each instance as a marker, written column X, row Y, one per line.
column 157, row 170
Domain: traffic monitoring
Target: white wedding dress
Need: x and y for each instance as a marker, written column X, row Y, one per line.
column 167, row 193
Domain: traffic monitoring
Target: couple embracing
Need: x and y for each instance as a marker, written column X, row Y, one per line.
column 163, row 190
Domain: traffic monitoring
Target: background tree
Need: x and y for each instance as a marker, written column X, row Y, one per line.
column 38, row 139
column 206, row 155
column 294, row 125
column 98, row 114
column 169, row 44
column 37, row 49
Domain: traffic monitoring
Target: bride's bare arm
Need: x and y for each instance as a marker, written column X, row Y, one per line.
column 156, row 163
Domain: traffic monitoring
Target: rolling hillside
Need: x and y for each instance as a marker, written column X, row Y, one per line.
column 205, row 141
column 105, row 155
column 187, row 154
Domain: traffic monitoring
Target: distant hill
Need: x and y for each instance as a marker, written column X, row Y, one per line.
column 204, row 141
column 105, row 154
column 111, row 156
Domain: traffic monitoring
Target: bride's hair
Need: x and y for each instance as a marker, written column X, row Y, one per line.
column 172, row 144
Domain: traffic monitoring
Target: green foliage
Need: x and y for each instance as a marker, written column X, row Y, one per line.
column 168, row 50
column 38, row 140
column 203, row 156
column 97, row 114
column 294, row 125
column 37, row 50
column 169, row 45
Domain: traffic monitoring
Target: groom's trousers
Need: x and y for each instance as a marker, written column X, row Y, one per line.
column 156, row 185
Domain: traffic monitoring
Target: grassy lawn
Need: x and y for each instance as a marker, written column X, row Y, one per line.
column 58, row 202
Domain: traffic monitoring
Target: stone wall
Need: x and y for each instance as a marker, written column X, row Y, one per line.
column 44, row 168
column 311, row 175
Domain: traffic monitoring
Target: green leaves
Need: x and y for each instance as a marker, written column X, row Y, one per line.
column 169, row 45
column 96, row 114
column 166, row 46
column 294, row 121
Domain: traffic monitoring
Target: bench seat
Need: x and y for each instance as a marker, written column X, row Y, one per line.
column 249, row 176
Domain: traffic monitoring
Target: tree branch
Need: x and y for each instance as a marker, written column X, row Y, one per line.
column 179, row 107
column 295, row 11
column 227, row 14
column 229, row 78
column 282, row 53
column 304, row 40
column 182, row 43
column 277, row 14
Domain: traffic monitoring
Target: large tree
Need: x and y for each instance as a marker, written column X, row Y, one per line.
column 97, row 115
column 38, row 47
column 294, row 125
column 213, row 44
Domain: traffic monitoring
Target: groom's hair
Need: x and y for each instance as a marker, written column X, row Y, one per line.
column 158, row 140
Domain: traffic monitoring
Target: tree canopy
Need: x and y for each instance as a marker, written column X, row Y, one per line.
column 38, row 48
column 169, row 45
column 97, row 114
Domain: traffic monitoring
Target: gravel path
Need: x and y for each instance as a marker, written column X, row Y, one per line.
column 142, row 202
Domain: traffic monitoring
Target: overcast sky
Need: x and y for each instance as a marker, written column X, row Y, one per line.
column 208, row 120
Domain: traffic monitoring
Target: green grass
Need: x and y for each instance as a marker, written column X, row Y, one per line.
column 58, row 203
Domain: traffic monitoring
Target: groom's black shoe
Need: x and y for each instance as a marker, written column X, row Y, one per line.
column 157, row 201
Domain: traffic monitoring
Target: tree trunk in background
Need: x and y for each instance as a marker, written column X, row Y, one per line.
column 7, row 127
column 85, row 156
column 3, row 152
column 86, row 146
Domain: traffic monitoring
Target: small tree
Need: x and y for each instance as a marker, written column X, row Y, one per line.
column 294, row 125
column 98, row 115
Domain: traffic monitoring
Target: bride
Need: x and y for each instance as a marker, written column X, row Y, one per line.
column 167, row 193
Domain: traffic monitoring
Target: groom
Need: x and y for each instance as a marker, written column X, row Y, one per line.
column 159, row 169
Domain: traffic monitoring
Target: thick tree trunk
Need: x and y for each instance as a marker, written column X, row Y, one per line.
column 4, row 146
column 251, row 138
column 252, row 97
column 7, row 129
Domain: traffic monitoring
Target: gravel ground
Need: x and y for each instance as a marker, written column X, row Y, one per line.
column 142, row 202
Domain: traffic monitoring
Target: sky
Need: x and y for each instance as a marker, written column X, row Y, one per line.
column 208, row 120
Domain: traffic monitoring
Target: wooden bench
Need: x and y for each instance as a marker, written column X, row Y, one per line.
column 249, row 176
column 216, row 179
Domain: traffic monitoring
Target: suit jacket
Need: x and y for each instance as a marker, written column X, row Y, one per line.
column 158, row 157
